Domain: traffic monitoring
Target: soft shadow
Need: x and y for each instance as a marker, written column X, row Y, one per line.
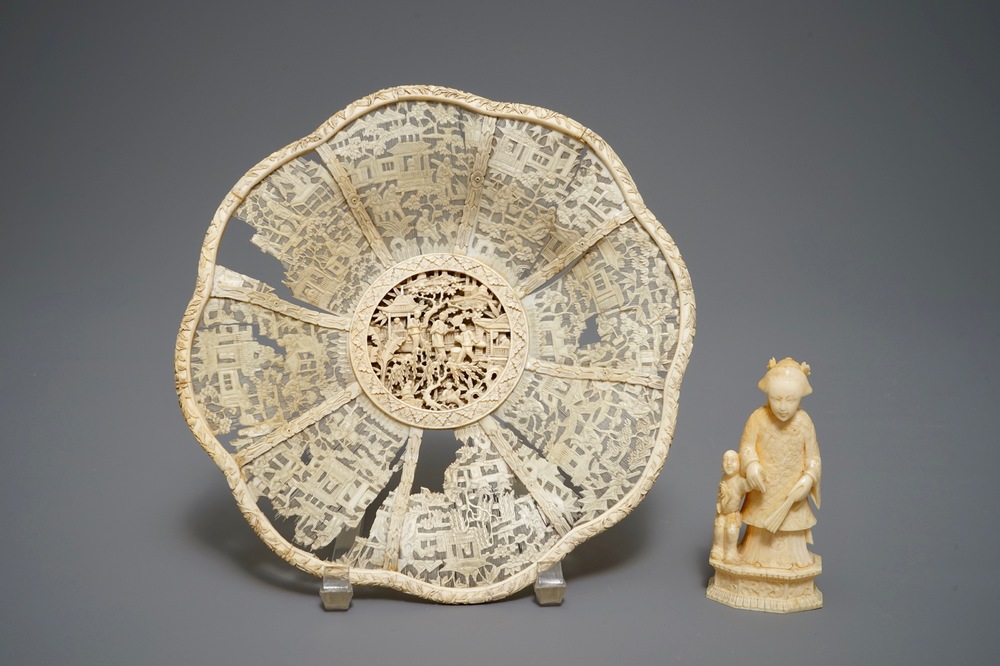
column 215, row 521
column 700, row 556
column 610, row 549
column 367, row 592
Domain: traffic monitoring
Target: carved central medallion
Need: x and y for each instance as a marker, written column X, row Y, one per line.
column 439, row 340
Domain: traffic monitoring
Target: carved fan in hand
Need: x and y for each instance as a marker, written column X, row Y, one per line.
column 450, row 263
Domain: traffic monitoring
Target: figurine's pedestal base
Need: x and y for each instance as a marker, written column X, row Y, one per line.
column 764, row 588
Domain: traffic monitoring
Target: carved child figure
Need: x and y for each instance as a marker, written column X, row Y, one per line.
column 732, row 490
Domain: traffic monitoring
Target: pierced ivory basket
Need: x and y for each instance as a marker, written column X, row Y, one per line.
column 450, row 263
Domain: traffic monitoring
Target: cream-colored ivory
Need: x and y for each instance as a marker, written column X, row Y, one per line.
column 766, row 485
column 454, row 264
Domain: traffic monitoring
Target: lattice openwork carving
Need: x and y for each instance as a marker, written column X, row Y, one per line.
column 449, row 263
column 439, row 340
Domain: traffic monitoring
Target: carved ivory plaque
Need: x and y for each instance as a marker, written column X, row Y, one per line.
column 450, row 264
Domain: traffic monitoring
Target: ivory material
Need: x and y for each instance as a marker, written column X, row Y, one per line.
column 454, row 264
column 766, row 485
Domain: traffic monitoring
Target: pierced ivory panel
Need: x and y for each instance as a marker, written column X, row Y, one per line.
column 458, row 264
column 620, row 288
column 301, row 218
column 254, row 367
column 326, row 475
column 409, row 164
column 598, row 434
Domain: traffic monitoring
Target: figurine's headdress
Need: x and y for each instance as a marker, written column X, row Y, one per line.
column 786, row 367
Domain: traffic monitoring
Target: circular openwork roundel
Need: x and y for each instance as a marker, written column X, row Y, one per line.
column 439, row 341
column 449, row 264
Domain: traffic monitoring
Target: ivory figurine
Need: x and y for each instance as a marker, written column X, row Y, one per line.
column 732, row 490
column 778, row 468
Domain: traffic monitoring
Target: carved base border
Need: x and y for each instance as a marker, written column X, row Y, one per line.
column 764, row 589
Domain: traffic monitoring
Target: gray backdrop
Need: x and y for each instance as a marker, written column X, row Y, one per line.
column 830, row 174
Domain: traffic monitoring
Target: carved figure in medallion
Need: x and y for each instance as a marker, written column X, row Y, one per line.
column 427, row 341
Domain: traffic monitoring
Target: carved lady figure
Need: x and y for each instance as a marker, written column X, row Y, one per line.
column 779, row 456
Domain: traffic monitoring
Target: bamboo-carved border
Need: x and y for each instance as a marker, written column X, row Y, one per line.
column 246, row 500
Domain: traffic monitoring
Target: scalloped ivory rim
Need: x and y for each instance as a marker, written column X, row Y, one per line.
column 305, row 560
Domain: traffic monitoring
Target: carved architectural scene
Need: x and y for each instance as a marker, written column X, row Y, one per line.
column 619, row 290
column 542, row 194
column 529, row 173
column 409, row 163
column 598, row 434
column 483, row 528
column 325, row 476
column 301, row 218
column 454, row 264
column 254, row 368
